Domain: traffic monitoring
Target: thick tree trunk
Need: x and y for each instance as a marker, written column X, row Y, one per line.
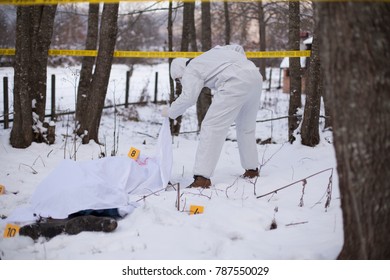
column 100, row 79
column 86, row 72
column 170, row 48
column 355, row 61
column 188, row 39
column 262, row 42
column 188, row 32
column 176, row 123
column 310, row 123
column 21, row 133
column 42, row 21
column 227, row 22
column 172, row 95
column 33, row 36
column 193, row 43
column 204, row 100
column 294, row 68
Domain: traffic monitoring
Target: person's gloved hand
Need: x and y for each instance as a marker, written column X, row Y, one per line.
column 164, row 111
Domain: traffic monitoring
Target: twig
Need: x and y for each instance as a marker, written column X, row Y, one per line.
column 49, row 153
column 153, row 193
column 254, row 185
column 41, row 161
column 264, row 163
column 178, row 196
column 329, row 191
column 294, row 224
column 146, row 134
column 33, row 170
column 304, row 182
column 230, row 186
column 274, row 191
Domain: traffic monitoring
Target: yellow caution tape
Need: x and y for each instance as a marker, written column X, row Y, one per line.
column 277, row 54
column 73, row 52
column 7, row 51
column 156, row 54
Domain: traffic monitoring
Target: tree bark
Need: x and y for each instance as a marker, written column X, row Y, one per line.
column 170, row 48
column 310, row 124
column 188, row 31
column 262, row 41
column 33, row 37
column 227, row 22
column 175, row 92
column 100, row 79
column 294, row 68
column 42, row 21
column 86, row 71
column 21, row 133
column 355, row 62
column 188, row 39
column 204, row 100
column 328, row 111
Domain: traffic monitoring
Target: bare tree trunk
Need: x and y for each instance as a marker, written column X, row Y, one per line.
column 310, row 123
column 188, row 39
column 295, row 69
column 33, row 38
column 86, row 72
column 174, row 124
column 227, row 22
column 21, row 133
column 355, row 62
column 42, row 21
column 191, row 19
column 188, row 32
column 170, row 48
column 262, row 38
column 100, row 79
column 204, row 100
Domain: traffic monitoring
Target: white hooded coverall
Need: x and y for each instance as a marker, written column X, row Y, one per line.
column 237, row 84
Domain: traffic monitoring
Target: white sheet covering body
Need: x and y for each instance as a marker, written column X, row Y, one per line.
column 112, row 182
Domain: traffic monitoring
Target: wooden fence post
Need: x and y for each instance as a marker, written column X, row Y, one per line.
column 53, row 97
column 270, row 79
column 280, row 78
column 155, row 88
column 127, row 89
column 6, row 111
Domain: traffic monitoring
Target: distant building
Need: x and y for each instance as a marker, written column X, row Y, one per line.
column 284, row 65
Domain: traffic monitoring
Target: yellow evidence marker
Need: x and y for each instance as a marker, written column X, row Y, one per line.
column 196, row 209
column 2, row 189
column 11, row 230
column 134, row 153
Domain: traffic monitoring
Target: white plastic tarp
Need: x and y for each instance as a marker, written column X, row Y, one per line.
column 111, row 182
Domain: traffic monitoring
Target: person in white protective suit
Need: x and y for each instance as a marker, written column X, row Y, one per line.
column 237, row 85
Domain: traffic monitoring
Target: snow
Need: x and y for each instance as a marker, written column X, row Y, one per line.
column 286, row 62
column 235, row 223
column 308, row 41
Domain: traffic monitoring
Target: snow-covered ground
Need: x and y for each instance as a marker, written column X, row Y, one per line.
column 235, row 223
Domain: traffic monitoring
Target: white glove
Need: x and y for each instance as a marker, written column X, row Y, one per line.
column 164, row 111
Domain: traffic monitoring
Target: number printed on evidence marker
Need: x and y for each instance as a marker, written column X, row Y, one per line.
column 134, row 153
column 196, row 209
column 11, row 230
